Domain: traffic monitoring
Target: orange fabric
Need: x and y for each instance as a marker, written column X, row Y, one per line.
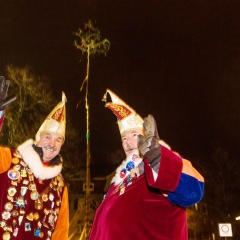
column 191, row 171
column 5, row 159
column 62, row 226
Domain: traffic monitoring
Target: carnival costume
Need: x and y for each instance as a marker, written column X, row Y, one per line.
column 151, row 205
column 34, row 196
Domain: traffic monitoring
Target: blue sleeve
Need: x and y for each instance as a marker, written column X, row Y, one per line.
column 188, row 192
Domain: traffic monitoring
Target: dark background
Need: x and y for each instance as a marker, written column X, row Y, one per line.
column 178, row 60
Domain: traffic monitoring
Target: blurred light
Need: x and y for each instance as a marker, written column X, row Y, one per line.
column 237, row 218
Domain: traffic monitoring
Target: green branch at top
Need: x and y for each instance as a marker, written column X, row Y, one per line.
column 90, row 40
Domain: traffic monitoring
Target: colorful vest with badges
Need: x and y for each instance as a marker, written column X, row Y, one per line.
column 29, row 207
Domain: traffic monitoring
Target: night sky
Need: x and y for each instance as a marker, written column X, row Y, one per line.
column 177, row 60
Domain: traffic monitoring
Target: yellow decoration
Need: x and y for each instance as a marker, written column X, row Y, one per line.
column 6, row 236
column 15, row 160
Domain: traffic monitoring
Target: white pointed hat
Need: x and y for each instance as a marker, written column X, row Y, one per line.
column 55, row 121
column 127, row 118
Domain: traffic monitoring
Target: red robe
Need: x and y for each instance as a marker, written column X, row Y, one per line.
column 32, row 218
column 147, row 208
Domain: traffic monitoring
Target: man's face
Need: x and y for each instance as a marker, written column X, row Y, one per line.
column 130, row 142
column 51, row 144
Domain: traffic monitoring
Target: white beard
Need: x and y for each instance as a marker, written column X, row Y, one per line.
column 117, row 179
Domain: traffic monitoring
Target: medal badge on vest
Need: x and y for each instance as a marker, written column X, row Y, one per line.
column 42, row 218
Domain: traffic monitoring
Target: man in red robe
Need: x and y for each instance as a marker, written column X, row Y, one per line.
column 151, row 189
column 33, row 194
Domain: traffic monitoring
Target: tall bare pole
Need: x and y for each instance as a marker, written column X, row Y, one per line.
column 90, row 42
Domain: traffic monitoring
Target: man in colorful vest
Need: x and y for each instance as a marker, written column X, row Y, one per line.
column 151, row 189
column 34, row 197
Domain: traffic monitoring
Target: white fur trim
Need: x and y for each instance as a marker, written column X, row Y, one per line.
column 32, row 159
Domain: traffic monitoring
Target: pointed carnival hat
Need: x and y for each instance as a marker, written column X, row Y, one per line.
column 55, row 121
column 127, row 118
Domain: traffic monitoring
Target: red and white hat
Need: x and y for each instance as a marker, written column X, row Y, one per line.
column 55, row 121
column 127, row 118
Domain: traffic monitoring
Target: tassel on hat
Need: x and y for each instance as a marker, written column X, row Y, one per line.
column 55, row 121
column 127, row 118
